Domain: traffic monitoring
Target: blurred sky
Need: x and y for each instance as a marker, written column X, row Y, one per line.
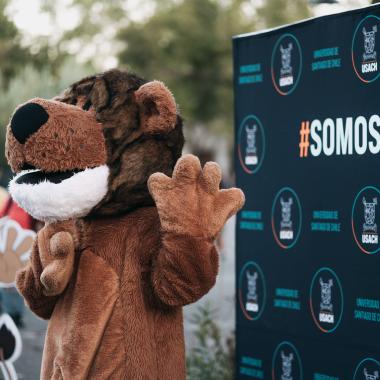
column 33, row 22
column 29, row 18
column 342, row 5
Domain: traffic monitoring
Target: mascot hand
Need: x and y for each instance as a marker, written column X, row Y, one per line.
column 190, row 202
column 57, row 243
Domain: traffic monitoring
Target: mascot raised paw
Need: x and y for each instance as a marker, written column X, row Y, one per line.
column 130, row 226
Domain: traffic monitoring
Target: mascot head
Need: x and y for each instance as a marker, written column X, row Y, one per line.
column 91, row 150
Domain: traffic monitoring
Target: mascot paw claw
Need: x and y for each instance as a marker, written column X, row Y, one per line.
column 190, row 202
column 57, row 253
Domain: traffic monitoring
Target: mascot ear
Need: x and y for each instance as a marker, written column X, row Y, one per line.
column 99, row 94
column 158, row 111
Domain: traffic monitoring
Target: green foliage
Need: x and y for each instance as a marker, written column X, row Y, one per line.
column 209, row 359
column 93, row 35
column 12, row 55
column 187, row 44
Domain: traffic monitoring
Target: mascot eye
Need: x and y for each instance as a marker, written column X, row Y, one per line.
column 87, row 105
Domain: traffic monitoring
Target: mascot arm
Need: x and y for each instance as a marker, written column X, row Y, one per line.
column 192, row 212
column 49, row 269
column 29, row 285
column 185, row 269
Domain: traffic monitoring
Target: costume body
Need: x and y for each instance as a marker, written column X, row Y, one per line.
column 125, row 246
column 120, row 316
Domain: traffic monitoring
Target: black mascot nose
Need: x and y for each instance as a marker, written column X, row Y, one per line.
column 27, row 120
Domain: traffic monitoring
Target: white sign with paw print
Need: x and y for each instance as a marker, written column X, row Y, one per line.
column 15, row 247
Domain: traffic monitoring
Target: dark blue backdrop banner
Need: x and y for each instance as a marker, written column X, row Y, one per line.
column 307, row 138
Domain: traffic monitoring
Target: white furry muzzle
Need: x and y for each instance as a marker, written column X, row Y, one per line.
column 73, row 197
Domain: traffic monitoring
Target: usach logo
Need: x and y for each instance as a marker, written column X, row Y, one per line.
column 252, row 291
column 326, row 300
column 286, row 362
column 364, row 51
column 286, row 64
column 365, row 219
column 339, row 136
column 367, row 369
column 251, row 144
column 286, row 217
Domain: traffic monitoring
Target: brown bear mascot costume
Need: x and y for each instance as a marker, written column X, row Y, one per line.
column 129, row 233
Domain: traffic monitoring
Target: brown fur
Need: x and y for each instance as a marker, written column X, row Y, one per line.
column 158, row 110
column 129, row 289
column 65, row 142
column 142, row 132
column 113, row 287
column 58, row 261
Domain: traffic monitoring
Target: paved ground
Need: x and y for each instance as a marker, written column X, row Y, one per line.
column 220, row 297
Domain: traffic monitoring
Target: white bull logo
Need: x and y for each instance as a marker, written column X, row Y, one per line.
column 370, row 215
column 286, row 213
column 286, row 57
column 369, row 43
column 250, row 150
column 371, row 376
column 326, row 304
column 287, row 366
column 251, row 138
column 252, row 286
